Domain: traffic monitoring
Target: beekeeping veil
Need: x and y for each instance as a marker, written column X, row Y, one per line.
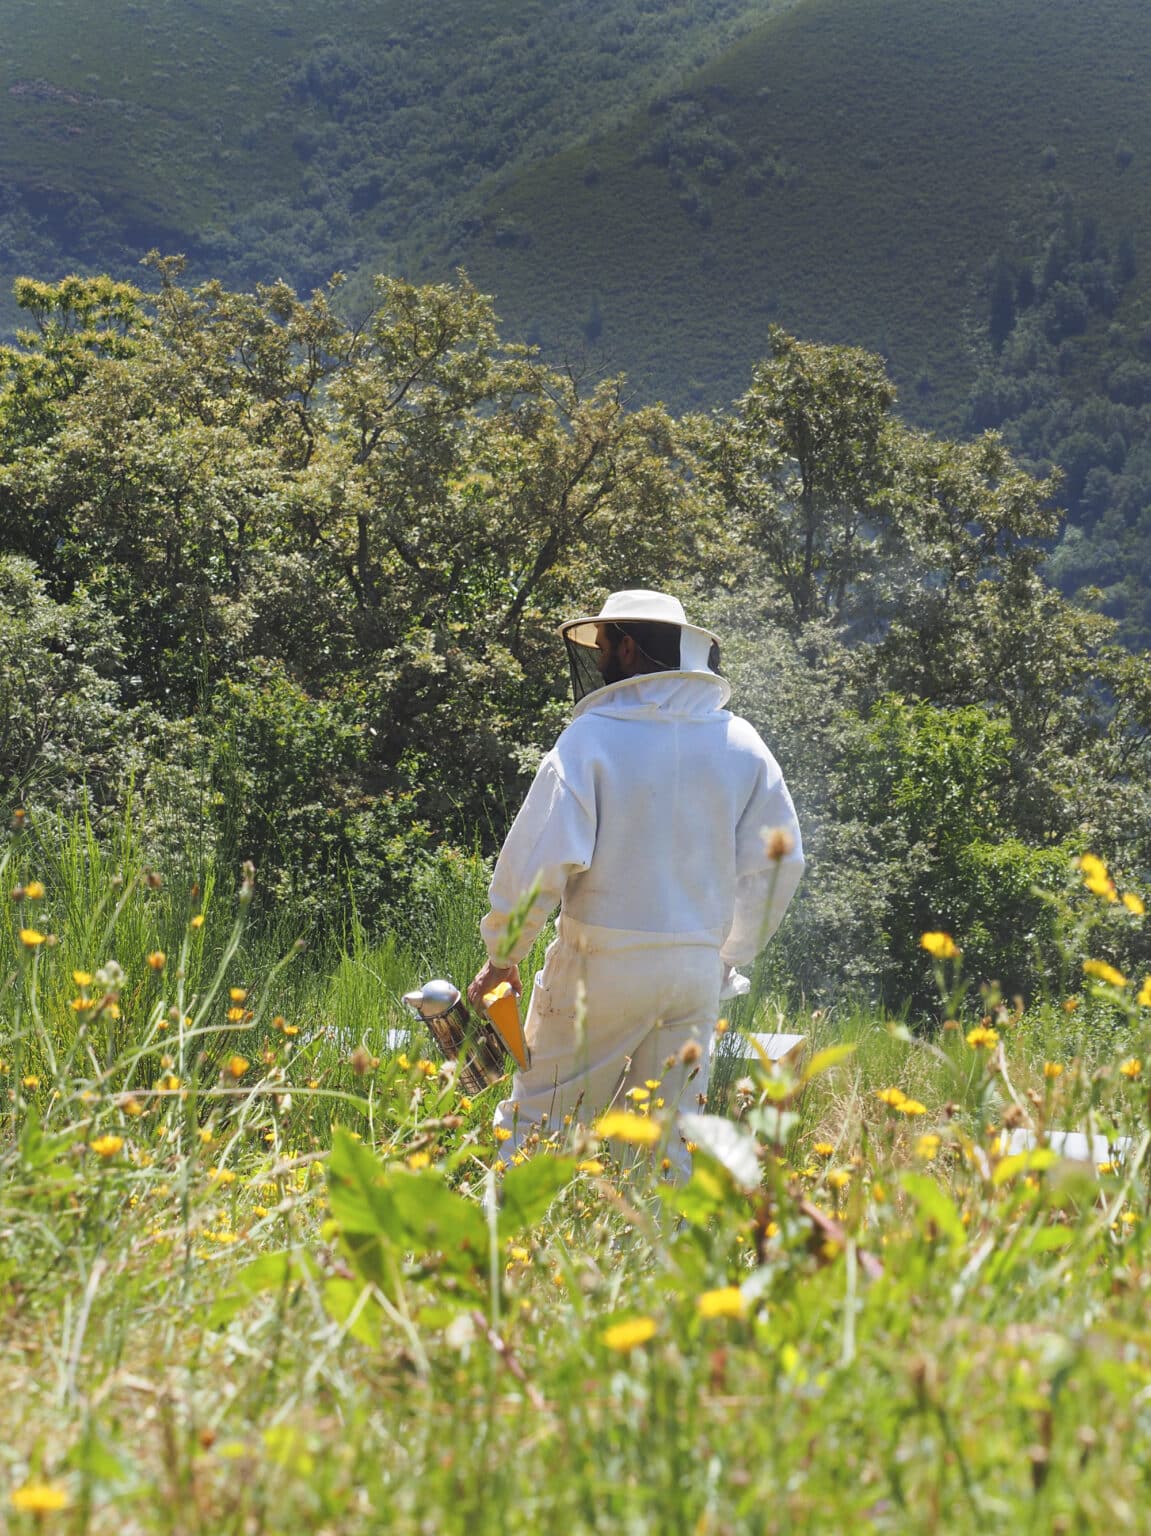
column 657, row 623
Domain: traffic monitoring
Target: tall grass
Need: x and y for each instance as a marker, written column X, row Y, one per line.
column 267, row 1296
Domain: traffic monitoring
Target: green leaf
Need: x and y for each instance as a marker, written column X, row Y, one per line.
column 1048, row 1239
column 529, row 1189
column 346, row 1300
column 1038, row 1158
column 433, row 1217
column 824, row 1060
column 935, row 1206
column 357, row 1193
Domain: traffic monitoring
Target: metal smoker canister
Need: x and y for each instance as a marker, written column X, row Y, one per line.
column 459, row 1035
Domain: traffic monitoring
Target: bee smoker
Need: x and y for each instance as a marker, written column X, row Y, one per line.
column 459, row 1035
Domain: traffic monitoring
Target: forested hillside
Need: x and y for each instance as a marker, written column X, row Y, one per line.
column 273, row 138
column 965, row 189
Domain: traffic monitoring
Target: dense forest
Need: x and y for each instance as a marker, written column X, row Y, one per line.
column 289, row 589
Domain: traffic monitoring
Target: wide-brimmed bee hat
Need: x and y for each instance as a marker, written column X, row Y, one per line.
column 683, row 647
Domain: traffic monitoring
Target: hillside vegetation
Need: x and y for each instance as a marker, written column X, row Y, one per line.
column 850, row 170
column 277, row 139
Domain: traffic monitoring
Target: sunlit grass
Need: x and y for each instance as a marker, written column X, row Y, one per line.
column 251, row 1280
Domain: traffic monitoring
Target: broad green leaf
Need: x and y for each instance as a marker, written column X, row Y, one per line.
column 824, row 1060
column 1019, row 1162
column 1048, row 1239
column 433, row 1217
column 357, row 1196
column 346, row 1299
column 935, row 1205
column 529, row 1189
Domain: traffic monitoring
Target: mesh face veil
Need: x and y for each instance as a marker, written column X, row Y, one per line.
column 585, row 673
column 655, row 621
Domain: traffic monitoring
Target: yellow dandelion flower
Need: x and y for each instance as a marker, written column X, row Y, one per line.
column 839, row 1178
column 1132, row 1067
column 624, row 1337
column 1096, row 878
column 223, row 1175
column 518, row 1255
column 237, row 1066
column 1107, row 1167
column 652, row 1083
column 727, row 1301
column 40, row 1498
column 32, row 938
column 1052, row 1069
column 721, row 1027
column 911, row 1107
column 464, row 1105
column 82, row 1004
column 235, row 1015
column 132, row 1107
column 238, row 994
column 823, row 1149
column 941, row 946
column 638, row 1095
column 197, row 921
column 1144, row 998
column 982, row 1038
column 34, row 890
column 893, row 1097
column 1104, row 972
column 206, row 1134
column 419, row 1160
column 501, row 1134
column 620, row 1126
column 1133, row 903
column 82, row 978
column 1128, row 1218
column 107, row 1146
column 590, row 1165
column 157, row 960
column 31, row 1082
column 927, row 1146
column 169, row 1083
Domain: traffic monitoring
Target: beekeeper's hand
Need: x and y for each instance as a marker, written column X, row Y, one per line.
column 488, row 979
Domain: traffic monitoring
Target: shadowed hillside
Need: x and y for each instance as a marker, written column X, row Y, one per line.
column 850, row 171
column 276, row 138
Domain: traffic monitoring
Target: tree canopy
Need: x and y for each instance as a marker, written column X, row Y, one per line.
column 312, row 567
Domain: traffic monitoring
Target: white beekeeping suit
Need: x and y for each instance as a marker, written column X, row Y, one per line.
column 661, row 825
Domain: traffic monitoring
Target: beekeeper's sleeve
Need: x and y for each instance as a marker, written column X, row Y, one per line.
column 552, row 838
column 769, row 867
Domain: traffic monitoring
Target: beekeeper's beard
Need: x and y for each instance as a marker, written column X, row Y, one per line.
column 612, row 669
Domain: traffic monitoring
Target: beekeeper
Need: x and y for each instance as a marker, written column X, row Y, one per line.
column 661, row 825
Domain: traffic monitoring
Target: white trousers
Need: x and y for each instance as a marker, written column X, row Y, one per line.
column 607, row 1012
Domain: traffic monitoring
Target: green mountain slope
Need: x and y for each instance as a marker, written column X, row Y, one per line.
column 278, row 137
column 850, row 171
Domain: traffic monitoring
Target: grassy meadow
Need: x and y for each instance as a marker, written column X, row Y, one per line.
column 252, row 1283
